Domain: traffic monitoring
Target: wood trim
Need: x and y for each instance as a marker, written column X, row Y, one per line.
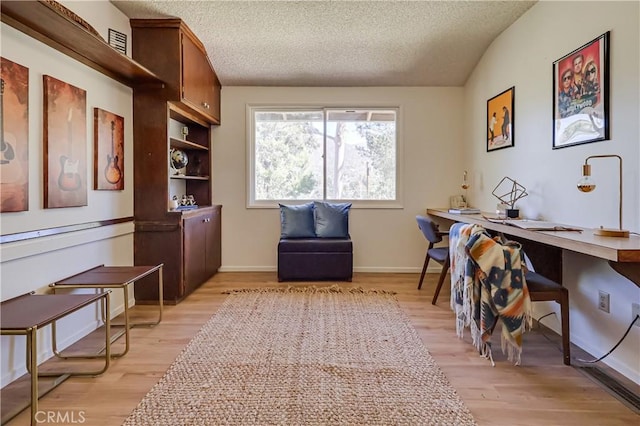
column 151, row 226
column 47, row 232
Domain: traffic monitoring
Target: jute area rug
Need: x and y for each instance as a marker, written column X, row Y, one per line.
column 304, row 356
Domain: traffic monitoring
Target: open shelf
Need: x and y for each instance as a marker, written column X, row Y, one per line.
column 43, row 22
column 187, row 177
column 184, row 144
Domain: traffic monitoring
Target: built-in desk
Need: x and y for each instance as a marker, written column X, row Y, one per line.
column 544, row 247
column 609, row 248
column 623, row 254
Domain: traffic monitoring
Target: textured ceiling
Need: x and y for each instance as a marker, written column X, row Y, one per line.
column 340, row 43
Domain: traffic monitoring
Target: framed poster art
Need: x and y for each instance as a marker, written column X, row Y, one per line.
column 65, row 144
column 500, row 118
column 108, row 152
column 581, row 95
column 14, row 137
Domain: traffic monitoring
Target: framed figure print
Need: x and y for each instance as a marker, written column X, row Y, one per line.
column 65, row 144
column 14, row 134
column 108, row 152
column 500, row 116
column 581, row 95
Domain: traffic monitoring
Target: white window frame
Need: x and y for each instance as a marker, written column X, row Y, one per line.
column 371, row 204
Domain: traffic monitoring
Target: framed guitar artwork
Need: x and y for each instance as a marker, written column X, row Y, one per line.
column 14, row 137
column 65, row 144
column 108, row 153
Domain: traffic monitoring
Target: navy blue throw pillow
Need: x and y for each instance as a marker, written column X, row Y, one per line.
column 332, row 219
column 296, row 221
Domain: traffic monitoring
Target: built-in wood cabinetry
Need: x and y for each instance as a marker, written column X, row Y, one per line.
column 202, row 252
column 179, row 116
column 166, row 46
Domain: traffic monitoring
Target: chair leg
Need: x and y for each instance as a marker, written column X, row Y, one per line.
column 443, row 274
column 424, row 271
column 424, row 267
column 566, row 340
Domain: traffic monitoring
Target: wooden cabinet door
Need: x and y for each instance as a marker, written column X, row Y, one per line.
column 216, row 97
column 213, row 260
column 197, row 78
column 194, row 240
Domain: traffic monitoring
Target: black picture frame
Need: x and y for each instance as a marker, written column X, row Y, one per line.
column 501, row 112
column 581, row 95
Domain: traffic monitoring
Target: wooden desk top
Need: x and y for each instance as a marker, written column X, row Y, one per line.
column 609, row 248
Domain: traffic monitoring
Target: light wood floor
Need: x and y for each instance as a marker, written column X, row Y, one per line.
column 541, row 391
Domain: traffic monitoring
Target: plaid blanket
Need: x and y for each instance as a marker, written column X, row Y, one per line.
column 487, row 287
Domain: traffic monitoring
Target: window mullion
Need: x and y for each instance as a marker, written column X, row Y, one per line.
column 324, row 153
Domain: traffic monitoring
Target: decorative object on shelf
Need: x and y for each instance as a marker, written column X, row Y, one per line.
column 14, row 137
column 118, row 41
column 187, row 202
column 185, row 132
column 460, row 203
column 508, row 191
column 465, row 186
column 108, row 158
column 65, row 144
column 501, row 210
column 179, row 161
column 62, row 10
column 174, row 203
column 587, row 184
column 500, row 112
column 465, row 210
column 581, row 95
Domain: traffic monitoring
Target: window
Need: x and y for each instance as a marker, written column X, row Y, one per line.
column 323, row 154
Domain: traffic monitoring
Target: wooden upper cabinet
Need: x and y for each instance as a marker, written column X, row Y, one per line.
column 170, row 49
column 198, row 80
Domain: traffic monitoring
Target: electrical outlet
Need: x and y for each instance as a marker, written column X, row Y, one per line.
column 635, row 311
column 603, row 301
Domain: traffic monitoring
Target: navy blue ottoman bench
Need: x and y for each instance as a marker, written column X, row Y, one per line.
column 315, row 259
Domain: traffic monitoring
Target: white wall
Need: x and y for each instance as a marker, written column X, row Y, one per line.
column 522, row 57
column 384, row 240
column 34, row 264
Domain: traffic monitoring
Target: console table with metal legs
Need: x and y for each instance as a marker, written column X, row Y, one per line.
column 25, row 315
column 113, row 277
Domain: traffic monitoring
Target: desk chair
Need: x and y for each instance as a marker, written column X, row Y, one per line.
column 542, row 289
column 433, row 235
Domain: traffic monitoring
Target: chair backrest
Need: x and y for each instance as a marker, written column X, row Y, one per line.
column 429, row 228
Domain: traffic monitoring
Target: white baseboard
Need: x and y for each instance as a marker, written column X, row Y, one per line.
column 435, row 269
column 247, row 269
